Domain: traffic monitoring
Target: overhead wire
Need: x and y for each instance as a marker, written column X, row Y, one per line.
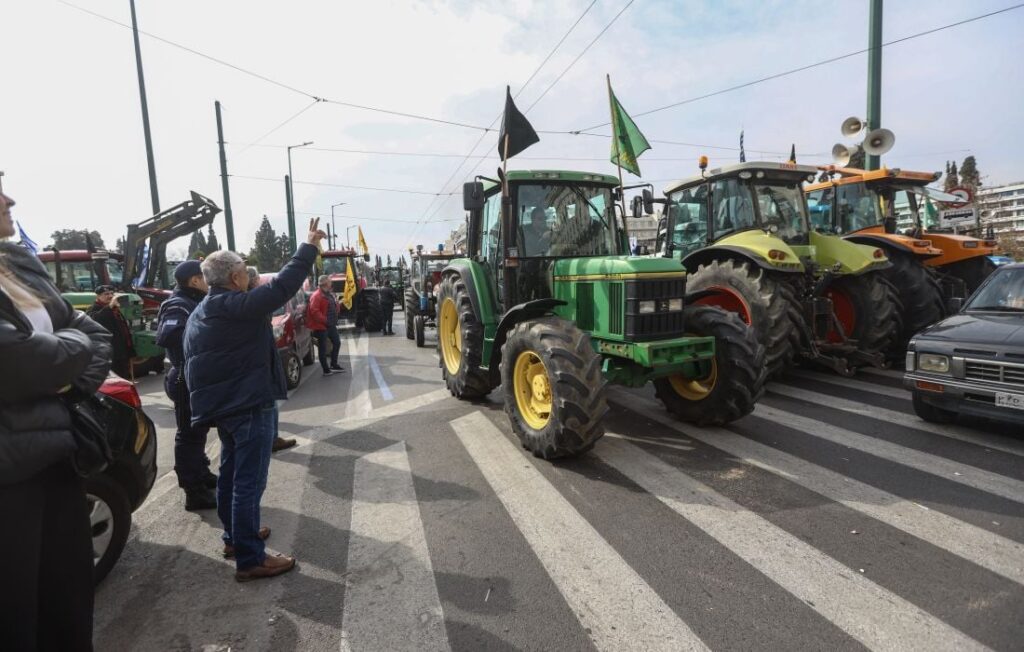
column 337, row 185
column 803, row 68
column 258, row 140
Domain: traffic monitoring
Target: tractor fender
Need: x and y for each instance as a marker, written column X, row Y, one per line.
column 718, row 252
column 518, row 313
column 887, row 244
column 465, row 269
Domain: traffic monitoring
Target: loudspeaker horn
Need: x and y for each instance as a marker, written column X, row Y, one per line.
column 841, row 154
column 879, row 141
column 852, row 126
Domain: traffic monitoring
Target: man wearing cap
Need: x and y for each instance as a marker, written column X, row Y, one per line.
column 107, row 314
column 190, row 461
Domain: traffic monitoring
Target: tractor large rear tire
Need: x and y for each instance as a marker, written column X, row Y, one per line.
column 766, row 303
column 460, row 341
column 920, row 295
column 412, row 307
column 868, row 306
column 737, row 377
column 374, row 320
column 553, row 388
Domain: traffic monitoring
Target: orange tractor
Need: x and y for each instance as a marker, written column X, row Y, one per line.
column 930, row 266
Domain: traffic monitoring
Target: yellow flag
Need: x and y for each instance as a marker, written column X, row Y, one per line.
column 349, row 292
column 362, row 241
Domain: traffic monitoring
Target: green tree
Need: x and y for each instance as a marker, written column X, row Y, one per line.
column 857, row 160
column 197, row 245
column 75, row 239
column 952, row 178
column 119, row 245
column 266, row 250
column 969, row 176
column 211, row 241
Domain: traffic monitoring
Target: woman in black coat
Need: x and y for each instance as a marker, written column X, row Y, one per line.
column 49, row 354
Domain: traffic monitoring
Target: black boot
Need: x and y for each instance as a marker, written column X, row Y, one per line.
column 199, row 498
column 210, row 480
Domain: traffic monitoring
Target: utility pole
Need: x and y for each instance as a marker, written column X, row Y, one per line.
column 291, row 193
column 154, row 195
column 288, row 203
column 228, row 221
column 874, row 75
column 332, row 221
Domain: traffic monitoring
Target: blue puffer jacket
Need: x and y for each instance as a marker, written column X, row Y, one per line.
column 231, row 360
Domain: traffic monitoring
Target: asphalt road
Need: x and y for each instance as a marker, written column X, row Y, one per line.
column 831, row 518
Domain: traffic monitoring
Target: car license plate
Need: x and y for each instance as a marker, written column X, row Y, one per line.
column 1015, row 401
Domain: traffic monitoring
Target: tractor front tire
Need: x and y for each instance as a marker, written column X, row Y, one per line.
column 921, row 299
column 374, row 320
column 460, row 341
column 767, row 304
column 737, row 377
column 420, row 327
column 868, row 306
column 412, row 304
column 553, row 388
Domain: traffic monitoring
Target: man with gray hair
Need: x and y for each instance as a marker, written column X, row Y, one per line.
column 323, row 321
column 234, row 376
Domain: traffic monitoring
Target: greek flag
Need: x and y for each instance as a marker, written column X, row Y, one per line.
column 26, row 241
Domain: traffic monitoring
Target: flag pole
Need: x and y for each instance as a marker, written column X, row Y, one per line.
column 506, row 220
column 618, row 164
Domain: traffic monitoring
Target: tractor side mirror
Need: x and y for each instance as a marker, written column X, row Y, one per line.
column 636, row 205
column 366, row 257
column 648, row 201
column 473, row 196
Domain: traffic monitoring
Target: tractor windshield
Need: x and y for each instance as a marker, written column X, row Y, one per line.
column 565, row 220
column 335, row 265
column 847, row 208
column 689, row 212
column 782, row 207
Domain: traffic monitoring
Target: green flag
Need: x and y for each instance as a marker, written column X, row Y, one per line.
column 627, row 141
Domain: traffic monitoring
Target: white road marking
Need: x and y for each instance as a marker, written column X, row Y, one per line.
column 899, row 418
column 379, row 377
column 619, row 610
column 850, row 383
column 357, row 404
column 874, row 616
column 391, row 600
column 993, row 483
column 986, row 549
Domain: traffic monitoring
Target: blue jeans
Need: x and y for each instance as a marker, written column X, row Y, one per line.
column 246, row 440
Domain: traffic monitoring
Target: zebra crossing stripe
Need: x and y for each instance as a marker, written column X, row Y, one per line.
column 998, row 554
column 874, row 616
column 617, row 608
column 849, row 383
column 993, row 483
column 899, row 418
column 357, row 404
column 391, row 600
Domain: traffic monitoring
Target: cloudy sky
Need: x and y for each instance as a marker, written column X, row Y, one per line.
column 71, row 143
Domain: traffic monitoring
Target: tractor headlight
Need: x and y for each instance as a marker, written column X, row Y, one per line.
column 646, row 307
column 935, row 363
column 675, row 304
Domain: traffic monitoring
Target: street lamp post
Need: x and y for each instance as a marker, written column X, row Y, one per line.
column 333, row 225
column 348, row 241
column 291, row 194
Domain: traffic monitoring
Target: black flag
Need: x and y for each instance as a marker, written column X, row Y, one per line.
column 518, row 129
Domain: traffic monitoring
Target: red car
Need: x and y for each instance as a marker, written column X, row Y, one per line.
column 294, row 339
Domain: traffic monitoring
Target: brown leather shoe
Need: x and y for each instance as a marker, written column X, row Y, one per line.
column 272, row 566
column 229, row 551
column 281, row 444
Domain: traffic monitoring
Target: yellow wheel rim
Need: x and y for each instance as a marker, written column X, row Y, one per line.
column 532, row 388
column 450, row 335
column 695, row 389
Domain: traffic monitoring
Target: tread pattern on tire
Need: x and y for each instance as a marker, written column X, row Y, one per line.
column 412, row 303
column 920, row 295
column 471, row 381
column 741, row 371
column 374, row 320
column 773, row 306
column 578, row 406
column 877, row 299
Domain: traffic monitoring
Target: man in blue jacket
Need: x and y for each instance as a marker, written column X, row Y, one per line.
column 190, row 461
column 234, row 376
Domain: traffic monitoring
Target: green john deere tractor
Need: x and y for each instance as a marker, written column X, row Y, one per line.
column 549, row 305
column 742, row 234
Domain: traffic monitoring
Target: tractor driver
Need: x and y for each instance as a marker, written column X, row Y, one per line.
column 536, row 235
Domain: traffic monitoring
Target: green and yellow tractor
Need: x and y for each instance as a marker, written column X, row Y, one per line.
column 742, row 234
column 548, row 304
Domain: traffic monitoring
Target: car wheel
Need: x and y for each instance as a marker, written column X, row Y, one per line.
column 292, row 369
column 110, row 518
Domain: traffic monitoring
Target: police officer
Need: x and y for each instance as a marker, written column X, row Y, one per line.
column 190, row 461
